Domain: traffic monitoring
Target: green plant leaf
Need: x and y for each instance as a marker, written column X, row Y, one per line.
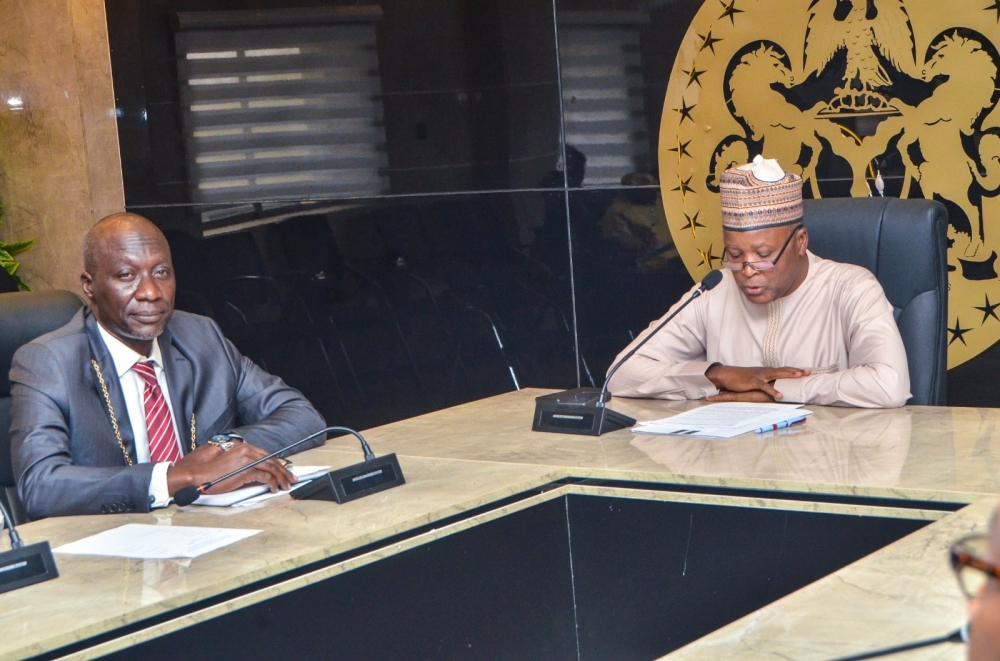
column 7, row 261
column 17, row 247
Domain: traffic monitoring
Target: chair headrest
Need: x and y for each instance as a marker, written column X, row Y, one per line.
column 902, row 242
column 27, row 315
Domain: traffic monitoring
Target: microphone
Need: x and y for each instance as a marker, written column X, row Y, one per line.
column 583, row 410
column 22, row 565
column 960, row 635
column 708, row 283
column 8, row 520
column 191, row 493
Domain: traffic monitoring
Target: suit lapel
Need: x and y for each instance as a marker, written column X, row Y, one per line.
column 180, row 378
column 99, row 352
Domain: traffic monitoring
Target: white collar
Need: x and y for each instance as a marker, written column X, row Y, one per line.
column 123, row 356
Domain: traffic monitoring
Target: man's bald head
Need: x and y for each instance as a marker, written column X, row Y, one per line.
column 111, row 225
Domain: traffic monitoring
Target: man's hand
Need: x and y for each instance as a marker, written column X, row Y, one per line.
column 748, row 396
column 747, row 379
column 209, row 462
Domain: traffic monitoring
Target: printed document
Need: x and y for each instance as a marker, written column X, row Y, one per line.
column 723, row 420
column 255, row 493
column 137, row 540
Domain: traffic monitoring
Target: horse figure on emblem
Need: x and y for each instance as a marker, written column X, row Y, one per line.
column 931, row 141
column 784, row 131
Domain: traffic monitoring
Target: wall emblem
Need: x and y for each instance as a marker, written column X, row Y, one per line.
column 853, row 95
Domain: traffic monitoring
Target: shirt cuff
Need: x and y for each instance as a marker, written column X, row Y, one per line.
column 691, row 377
column 792, row 390
column 159, row 492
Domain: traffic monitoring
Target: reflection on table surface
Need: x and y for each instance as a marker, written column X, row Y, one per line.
column 919, row 452
column 861, row 447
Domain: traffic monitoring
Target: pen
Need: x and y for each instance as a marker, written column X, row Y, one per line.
column 780, row 425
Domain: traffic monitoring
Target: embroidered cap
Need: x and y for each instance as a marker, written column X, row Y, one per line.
column 759, row 195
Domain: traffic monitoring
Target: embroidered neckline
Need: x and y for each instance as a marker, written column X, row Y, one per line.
column 770, row 348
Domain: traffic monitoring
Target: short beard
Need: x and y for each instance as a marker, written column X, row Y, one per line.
column 142, row 337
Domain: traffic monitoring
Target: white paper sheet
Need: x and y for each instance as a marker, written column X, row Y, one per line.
column 723, row 420
column 137, row 540
column 259, row 492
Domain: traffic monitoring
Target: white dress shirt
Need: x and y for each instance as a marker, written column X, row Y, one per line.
column 133, row 387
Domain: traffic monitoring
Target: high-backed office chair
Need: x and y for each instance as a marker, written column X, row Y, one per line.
column 7, row 283
column 903, row 243
column 23, row 317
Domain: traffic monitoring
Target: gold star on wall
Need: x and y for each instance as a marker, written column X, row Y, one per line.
column 692, row 223
column 708, row 41
column 988, row 310
column 684, row 186
column 685, row 111
column 694, row 74
column 707, row 257
column 681, row 149
column 996, row 7
column 957, row 332
column 730, row 11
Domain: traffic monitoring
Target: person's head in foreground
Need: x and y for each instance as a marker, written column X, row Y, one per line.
column 976, row 561
column 765, row 241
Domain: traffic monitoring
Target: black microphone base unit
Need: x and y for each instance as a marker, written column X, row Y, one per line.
column 353, row 482
column 26, row 566
column 577, row 411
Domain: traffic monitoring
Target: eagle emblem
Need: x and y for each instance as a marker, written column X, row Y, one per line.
column 867, row 33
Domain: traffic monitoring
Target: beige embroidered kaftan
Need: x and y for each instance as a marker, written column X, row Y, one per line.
column 838, row 324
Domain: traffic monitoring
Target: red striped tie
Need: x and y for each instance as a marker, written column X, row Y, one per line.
column 160, row 428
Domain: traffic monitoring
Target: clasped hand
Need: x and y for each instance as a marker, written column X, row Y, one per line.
column 749, row 384
column 209, row 462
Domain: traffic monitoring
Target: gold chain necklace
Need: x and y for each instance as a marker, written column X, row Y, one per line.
column 114, row 419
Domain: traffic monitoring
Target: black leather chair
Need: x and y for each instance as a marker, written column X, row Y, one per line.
column 23, row 317
column 903, row 242
column 7, row 283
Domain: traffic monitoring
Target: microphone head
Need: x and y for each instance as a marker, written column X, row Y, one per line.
column 711, row 280
column 186, row 496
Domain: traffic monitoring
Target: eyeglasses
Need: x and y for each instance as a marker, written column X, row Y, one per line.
column 967, row 562
column 763, row 266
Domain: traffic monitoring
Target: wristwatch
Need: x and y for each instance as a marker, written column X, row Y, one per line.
column 225, row 442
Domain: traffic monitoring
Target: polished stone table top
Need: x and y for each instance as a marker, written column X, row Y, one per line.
column 919, row 452
column 462, row 458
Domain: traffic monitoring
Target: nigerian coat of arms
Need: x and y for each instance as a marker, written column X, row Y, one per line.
column 859, row 97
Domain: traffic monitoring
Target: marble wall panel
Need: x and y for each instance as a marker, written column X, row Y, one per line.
column 60, row 168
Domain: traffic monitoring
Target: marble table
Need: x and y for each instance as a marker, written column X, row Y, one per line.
column 471, row 460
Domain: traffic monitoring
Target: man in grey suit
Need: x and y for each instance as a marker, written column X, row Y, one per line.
column 130, row 401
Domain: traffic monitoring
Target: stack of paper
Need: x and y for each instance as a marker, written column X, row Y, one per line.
column 258, row 492
column 136, row 540
column 725, row 420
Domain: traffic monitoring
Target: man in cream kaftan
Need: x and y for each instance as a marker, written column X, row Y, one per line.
column 837, row 325
column 783, row 325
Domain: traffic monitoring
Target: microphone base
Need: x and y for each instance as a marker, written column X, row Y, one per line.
column 26, row 566
column 577, row 412
column 352, row 482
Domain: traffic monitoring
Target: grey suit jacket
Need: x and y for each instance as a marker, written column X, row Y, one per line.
column 66, row 457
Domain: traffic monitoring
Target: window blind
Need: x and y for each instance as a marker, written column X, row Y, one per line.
column 279, row 111
column 603, row 92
